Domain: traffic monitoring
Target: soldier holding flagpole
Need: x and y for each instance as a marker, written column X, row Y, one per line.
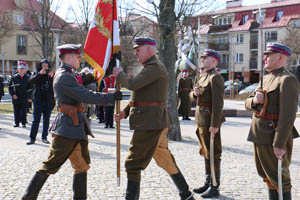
column 149, row 119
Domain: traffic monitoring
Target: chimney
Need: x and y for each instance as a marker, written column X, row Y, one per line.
column 20, row 3
column 233, row 3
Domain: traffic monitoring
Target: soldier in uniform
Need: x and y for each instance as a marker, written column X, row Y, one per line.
column 184, row 88
column 109, row 85
column 209, row 96
column 70, row 128
column 19, row 90
column 149, row 120
column 272, row 130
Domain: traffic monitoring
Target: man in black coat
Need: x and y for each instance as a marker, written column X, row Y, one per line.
column 43, row 100
column 18, row 89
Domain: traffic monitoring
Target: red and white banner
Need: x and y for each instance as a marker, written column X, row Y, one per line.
column 103, row 39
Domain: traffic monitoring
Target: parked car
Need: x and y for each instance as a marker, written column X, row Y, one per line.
column 236, row 87
column 249, row 89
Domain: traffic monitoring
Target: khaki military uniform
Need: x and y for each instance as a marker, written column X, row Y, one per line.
column 209, row 113
column 184, row 87
column 275, row 127
column 149, row 119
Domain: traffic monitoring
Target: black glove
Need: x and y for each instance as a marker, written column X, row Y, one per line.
column 118, row 96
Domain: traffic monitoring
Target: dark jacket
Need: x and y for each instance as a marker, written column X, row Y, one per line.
column 1, row 86
column 20, row 87
column 42, row 89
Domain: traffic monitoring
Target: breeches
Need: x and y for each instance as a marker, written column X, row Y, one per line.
column 63, row 148
column 203, row 135
column 143, row 146
column 266, row 165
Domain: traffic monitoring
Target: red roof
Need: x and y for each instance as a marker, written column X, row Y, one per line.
column 7, row 5
column 32, row 6
column 254, row 7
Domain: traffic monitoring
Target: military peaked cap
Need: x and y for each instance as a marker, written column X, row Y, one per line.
column 211, row 53
column 275, row 47
column 69, row 48
column 22, row 64
column 144, row 41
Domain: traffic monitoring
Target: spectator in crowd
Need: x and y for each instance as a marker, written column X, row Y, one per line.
column 43, row 100
column 100, row 108
column 18, row 89
column 1, row 89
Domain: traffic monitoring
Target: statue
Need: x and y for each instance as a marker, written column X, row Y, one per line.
column 188, row 50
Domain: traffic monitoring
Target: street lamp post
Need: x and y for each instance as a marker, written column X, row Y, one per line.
column 2, row 57
column 57, row 33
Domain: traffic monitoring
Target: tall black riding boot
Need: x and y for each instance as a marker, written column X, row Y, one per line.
column 133, row 190
column 182, row 186
column 287, row 195
column 214, row 190
column 273, row 195
column 207, row 179
column 35, row 185
column 80, row 186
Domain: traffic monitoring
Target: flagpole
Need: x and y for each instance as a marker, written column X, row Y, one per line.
column 118, row 138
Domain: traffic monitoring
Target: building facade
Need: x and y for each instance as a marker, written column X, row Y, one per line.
column 236, row 32
column 30, row 19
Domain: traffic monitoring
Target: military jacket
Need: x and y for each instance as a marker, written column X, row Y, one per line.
column 211, row 86
column 282, row 90
column 149, row 85
column 20, row 86
column 184, row 88
column 68, row 91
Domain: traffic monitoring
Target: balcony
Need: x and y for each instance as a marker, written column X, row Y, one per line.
column 253, row 64
column 254, row 40
column 219, row 46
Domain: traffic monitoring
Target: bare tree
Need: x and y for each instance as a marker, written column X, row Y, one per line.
column 6, row 25
column 40, row 24
column 293, row 42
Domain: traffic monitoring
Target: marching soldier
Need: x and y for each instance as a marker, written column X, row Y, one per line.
column 184, row 87
column 71, row 127
column 209, row 95
column 272, row 130
column 149, row 120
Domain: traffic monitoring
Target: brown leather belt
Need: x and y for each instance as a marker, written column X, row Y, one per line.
column 199, row 103
column 71, row 111
column 267, row 116
column 146, row 103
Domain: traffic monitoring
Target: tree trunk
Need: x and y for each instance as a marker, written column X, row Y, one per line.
column 167, row 53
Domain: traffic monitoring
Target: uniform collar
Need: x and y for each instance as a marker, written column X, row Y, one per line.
column 151, row 59
column 68, row 67
column 277, row 71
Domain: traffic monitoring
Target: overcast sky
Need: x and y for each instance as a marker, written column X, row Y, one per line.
column 63, row 11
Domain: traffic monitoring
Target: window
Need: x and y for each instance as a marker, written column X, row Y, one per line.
column 240, row 38
column 223, row 21
column 225, row 58
column 244, row 19
column 222, row 40
column 18, row 19
column 239, row 58
column 296, row 24
column 271, row 35
column 21, row 45
column 279, row 15
column 263, row 14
